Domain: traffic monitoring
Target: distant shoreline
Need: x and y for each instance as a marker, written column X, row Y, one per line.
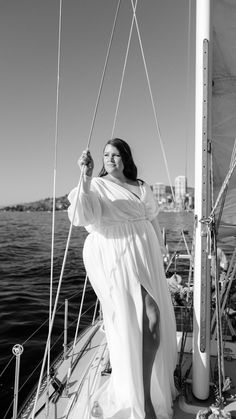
column 61, row 204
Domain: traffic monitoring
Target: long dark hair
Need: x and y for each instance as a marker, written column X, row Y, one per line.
column 130, row 169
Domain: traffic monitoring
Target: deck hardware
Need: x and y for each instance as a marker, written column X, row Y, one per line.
column 65, row 330
column 107, row 370
column 57, row 385
column 95, row 311
column 96, row 411
column 17, row 350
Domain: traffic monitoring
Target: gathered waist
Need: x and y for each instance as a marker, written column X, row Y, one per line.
column 109, row 225
column 115, row 223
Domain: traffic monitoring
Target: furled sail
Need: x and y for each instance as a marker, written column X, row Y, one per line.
column 224, row 104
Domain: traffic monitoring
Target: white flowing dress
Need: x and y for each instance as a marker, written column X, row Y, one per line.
column 121, row 254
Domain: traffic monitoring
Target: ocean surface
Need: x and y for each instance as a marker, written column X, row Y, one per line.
column 25, row 266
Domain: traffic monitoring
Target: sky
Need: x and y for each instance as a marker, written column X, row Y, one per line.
column 28, row 86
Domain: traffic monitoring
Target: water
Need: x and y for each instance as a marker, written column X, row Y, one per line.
column 25, row 254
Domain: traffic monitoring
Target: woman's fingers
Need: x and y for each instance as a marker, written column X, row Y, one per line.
column 86, row 160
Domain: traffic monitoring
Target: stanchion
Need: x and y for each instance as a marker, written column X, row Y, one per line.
column 17, row 351
column 65, row 329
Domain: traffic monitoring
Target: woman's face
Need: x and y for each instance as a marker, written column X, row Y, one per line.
column 112, row 160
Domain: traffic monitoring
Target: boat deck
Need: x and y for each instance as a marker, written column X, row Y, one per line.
column 90, row 359
column 187, row 406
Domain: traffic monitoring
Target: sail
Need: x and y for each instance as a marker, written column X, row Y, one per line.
column 224, row 103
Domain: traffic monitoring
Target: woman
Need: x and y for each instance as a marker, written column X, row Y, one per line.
column 122, row 256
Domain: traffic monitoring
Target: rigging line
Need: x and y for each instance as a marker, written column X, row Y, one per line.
column 123, row 72
column 220, row 354
column 211, row 179
column 221, row 209
column 6, row 366
column 173, row 256
column 77, row 330
column 187, row 85
column 95, row 311
column 54, row 181
column 23, row 385
column 56, row 302
column 55, row 150
column 225, row 291
column 71, row 224
column 226, row 180
column 192, row 258
column 86, row 376
column 103, row 75
column 42, row 324
column 225, row 191
column 34, row 333
column 32, row 373
column 185, row 242
column 96, row 371
column 153, row 104
column 57, row 296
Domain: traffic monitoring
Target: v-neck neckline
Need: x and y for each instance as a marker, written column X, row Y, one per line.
column 128, row 190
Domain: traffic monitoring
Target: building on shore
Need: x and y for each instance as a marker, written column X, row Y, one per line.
column 180, row 191
column 159, row 191
column 183, row 199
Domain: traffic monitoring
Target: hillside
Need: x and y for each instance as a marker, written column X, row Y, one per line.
column 41, row 205
column 61, row 203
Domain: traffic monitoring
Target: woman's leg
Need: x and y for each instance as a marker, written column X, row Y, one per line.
column 151, row 339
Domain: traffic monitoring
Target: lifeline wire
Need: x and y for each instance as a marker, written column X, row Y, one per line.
column 32, row 334
column 71, row 225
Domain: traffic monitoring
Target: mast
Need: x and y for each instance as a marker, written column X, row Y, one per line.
column 201, row 318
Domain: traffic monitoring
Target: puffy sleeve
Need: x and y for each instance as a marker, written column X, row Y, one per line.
column 85, row 205
column 152, row 211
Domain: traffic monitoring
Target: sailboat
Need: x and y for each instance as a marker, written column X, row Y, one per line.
column 85, row 365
